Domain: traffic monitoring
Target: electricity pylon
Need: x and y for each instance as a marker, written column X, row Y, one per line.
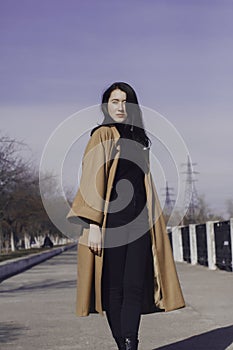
column 191, row 196
column 169, row 202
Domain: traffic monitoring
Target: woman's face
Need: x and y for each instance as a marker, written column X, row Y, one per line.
column 117, row 106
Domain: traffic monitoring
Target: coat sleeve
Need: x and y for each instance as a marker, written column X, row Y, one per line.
column 88, row 204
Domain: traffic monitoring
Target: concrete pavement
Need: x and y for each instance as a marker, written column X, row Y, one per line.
column 12, row 267
column 37, row 311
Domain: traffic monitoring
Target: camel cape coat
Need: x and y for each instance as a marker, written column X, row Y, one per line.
column 162, row 288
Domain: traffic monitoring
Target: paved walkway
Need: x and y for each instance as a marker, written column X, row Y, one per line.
column 37, row 312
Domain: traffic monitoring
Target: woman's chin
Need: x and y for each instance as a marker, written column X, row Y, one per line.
column 120, row 120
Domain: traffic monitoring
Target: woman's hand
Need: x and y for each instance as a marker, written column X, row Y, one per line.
column 95, row 239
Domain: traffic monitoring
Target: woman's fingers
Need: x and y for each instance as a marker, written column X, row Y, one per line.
column 99, row 249
column 95, row 248
column 95, row 239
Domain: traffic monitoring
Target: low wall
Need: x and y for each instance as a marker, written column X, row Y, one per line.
column 209, row 244
column 11, row 268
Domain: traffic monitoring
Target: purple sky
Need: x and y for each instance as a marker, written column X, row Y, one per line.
column 58, row 56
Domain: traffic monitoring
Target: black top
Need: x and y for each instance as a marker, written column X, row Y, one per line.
column 128, row 196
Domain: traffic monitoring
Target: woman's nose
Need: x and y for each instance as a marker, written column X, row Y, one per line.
column 121, row 106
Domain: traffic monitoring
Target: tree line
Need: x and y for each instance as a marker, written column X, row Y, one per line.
column 23, row 219
column 201, row 213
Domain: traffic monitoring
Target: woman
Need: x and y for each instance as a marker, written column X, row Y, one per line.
column 125, row 263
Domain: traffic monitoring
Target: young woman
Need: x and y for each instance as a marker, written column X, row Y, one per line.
column 125, row 263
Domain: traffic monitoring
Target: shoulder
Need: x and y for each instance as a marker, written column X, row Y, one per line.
column 102, row 139
column 104, row 132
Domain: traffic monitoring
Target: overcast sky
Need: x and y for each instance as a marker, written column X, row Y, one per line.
column 58, row 56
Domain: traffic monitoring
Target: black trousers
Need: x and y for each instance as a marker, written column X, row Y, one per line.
column 125, row 256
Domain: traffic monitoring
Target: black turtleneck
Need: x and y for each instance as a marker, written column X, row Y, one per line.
column 128, row 196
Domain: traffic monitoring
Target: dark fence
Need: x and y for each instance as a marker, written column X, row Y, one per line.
column 218, row 251
column 170, row 238
column 186, row 243
column 223, row 245
column 202, row 255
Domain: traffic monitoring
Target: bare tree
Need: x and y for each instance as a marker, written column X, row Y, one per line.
column 202, row 214
column 12, row 170
column 22, row 215
column 229, row 206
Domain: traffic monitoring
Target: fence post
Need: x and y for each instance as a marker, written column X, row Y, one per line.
column 211, row 252
column 231, row 233
column 193, row 244
column 177, row 244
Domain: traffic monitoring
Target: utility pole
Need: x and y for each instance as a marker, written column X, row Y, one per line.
column 191, row 196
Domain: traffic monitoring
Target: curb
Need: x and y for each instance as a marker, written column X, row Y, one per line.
column 9, row 269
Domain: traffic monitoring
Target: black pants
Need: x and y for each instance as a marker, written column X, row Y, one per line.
column 123, row 278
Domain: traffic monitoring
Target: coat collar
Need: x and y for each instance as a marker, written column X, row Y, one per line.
column 116, row 134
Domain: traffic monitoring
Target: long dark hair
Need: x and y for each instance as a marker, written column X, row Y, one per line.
column 134, row 120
